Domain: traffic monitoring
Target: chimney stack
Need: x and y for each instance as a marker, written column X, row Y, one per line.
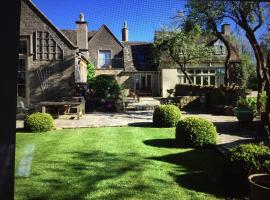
column 125, row 33
column 82, row 34
column 226, row 29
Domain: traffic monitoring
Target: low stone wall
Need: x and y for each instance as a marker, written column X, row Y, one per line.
column 214, row 96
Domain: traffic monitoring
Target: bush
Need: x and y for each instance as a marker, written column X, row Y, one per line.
column 39, row 122
column 195, row 132
column 247, row 103
column 250, row 158
column 166, row 116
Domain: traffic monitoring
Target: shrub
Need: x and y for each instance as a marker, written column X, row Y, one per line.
column 195, row 132
column 39, row 122
column 166, row 116
column 105, row 86
column 250, row 158
column 247, row 103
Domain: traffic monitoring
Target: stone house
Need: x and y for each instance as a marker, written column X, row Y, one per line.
column 49, row 63
column 208, row 72
column 52, row 61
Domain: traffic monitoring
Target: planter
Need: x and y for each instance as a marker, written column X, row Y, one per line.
column 244, row 115
column 259, row 186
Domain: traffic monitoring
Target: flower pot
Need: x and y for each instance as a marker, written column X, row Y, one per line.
column 244, row 115
column 259, row 186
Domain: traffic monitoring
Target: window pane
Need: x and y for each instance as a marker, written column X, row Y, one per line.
column 143, row 82
column 198, row 71
column 191, row 71
column 205, row 71
column 23, row 47
column 205, row 80
column 104, row 59
column 21, row 90
column 149, row 82
column 212, row 71
column 198, row 80
column 212, row 80
column 137, row 82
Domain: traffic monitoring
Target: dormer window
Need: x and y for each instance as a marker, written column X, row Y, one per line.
column 219, row 49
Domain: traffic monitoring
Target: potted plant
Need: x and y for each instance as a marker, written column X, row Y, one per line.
column 245, row 110
column 260, row 184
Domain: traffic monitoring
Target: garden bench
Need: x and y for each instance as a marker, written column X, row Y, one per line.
column 74, row 102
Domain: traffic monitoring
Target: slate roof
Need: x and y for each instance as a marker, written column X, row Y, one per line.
column 141, row 56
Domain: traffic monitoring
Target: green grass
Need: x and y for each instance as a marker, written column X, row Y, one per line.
column 116, row 163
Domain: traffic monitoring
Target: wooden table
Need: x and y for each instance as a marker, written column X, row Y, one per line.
column 45, row 104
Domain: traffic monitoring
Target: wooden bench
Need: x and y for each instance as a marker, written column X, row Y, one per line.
column 68, row 104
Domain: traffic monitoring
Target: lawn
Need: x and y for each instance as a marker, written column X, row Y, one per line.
column 114, row 163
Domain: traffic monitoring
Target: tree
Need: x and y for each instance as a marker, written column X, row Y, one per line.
column 90, row 72
column 249, row 15
column 209, row 15
column 183, row 47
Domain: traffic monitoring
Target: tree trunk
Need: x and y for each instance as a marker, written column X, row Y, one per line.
column 259, row 64
column 228, row 56
column 183, row 69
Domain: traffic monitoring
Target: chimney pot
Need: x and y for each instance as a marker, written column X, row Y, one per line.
column 125, row 32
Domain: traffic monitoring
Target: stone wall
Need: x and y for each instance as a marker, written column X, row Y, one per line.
column 103, row 40
column 57, row 75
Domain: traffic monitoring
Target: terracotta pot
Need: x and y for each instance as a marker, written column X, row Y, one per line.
column 259, row 186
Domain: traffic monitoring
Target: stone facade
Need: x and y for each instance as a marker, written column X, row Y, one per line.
column 105, row 40
column 49, row 74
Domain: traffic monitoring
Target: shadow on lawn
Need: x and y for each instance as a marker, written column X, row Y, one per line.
column 205, row 171
column 142, row 124
column 163, row 143
column 85, row 174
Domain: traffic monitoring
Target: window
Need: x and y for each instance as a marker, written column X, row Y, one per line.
column 203, row 76
column 143, row 82
column 23, row 47
column 104, row 59
column 219, row 49
column 46, row 48
column 21, row 78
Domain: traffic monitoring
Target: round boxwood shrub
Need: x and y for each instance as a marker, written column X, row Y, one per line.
column 250, row 158
column 195, row 132
column 166, row 116
column 39, row 122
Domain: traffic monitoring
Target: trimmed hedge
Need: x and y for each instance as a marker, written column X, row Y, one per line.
column 39, row 122
column 166, row 116
column 195, row 132
column 250, row 158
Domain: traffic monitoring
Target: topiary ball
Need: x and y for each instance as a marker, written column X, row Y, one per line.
column 195, row 132
column 39, row 122
column 166, row 116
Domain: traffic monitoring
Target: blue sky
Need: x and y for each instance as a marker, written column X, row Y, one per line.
column 143, row 16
